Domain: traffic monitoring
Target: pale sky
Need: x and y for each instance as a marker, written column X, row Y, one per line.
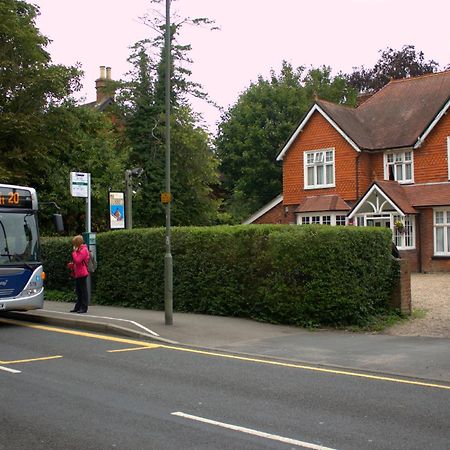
column 254, row 37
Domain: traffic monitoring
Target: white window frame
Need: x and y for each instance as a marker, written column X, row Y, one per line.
column 320, row 218
column 398, row 238
column 395, row 154
column 409, row 233
column 322, row 162
column 444, row 225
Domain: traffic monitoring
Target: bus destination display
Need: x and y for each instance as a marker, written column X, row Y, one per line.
column 15, row 198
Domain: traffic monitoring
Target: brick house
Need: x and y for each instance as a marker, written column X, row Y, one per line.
column 384, row 163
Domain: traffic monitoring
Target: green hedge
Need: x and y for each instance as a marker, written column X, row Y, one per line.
column 308, row 275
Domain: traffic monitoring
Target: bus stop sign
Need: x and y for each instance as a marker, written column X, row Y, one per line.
column 79, row 184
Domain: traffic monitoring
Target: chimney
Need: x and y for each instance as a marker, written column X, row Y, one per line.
column 103, row 84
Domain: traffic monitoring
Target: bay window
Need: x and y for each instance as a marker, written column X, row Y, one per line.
column 321, row 218
column 442, row 232
column 404, row 237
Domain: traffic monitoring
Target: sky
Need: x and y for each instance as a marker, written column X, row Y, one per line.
column 255, row 36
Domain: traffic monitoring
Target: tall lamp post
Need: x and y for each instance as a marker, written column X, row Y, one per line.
column 168, row 266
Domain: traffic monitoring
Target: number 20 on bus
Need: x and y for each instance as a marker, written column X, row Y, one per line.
column 10, row 199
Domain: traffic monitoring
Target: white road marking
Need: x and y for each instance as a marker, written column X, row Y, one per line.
column 262, row 434
column 147, row 347
column 7, row 369
column 112, row 318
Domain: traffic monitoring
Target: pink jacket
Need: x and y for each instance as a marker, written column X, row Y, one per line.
column 80, row 259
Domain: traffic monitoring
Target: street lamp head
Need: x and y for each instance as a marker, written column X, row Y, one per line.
column 137, row 172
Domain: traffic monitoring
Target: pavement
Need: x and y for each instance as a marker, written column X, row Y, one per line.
column 423, row 358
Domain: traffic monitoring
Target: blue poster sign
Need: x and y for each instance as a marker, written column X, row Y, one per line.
column 116, row 210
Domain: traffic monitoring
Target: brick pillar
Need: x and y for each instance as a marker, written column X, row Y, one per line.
column 401, row 297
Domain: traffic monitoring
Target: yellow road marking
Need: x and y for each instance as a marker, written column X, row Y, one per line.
column 18, row 361
column 312, row 368
column 74, row 332
column 134, row 348
column 224, row 355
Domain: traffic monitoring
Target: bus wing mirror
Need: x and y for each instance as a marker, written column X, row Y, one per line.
column 58, row 223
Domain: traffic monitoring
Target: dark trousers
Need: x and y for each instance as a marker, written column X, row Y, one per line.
column 81, row 289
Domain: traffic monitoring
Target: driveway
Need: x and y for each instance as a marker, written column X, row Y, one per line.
column 431, row 294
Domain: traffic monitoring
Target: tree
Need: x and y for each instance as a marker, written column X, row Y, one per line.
column 44, row 135
column 82, row 139
column 29, row 86
column 193, row 168
column 392, row 64
column 253, row 131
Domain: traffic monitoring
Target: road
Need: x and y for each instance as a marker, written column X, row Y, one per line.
column 63, row 389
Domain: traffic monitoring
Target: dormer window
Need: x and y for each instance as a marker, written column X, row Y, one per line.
column 398, row 166
column 319, row 169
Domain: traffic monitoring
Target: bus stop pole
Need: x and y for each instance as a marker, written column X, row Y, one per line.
column 88, row 230
column 88, row 205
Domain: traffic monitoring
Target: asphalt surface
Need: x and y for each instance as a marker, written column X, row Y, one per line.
column 87, row 391
column 416, row 357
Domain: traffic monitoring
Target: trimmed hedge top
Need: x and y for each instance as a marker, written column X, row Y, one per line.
column 303, row 275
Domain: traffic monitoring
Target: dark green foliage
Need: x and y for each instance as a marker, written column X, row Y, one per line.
column 392, row 65
column 43, row 134
column 193, row 163
column 309, row 275
column 29, row 85
column 80, row 139
column 253, row 131
column 56, row 252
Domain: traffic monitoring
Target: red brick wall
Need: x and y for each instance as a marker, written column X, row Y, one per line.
column 412, row 256
column 319, row 134
column 430, row 160
column 401, row 297
column 365, row 172
column 278, row 214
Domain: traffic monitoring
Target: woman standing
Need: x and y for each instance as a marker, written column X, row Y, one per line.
column 80, row 258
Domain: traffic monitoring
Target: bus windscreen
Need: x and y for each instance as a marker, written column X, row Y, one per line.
column 19, row 241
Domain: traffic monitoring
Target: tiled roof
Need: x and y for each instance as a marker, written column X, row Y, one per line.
column 396, row 115
column 102, row 105
column 437, row 194
column 412, row 196
column 267, row 207
column 323, row 203
column 397, row 194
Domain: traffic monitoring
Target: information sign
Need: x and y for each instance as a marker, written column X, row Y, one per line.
column 79, row 183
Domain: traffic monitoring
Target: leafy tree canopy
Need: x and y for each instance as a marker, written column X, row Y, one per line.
column 253, row 131
column 82, row 139
column 393, row 64
column 193, row 164
column 29, row 86
column 43, row 134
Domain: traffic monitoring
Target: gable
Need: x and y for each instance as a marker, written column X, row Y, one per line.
column 319, row 135
column 401, row 114
column 383, row 196
column 304, row 122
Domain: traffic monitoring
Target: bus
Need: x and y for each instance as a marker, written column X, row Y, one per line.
column 21, row 273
